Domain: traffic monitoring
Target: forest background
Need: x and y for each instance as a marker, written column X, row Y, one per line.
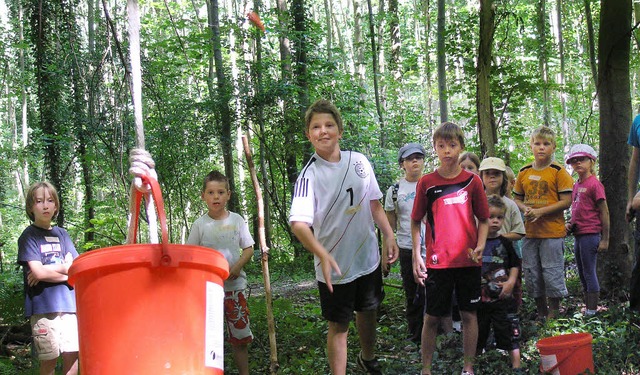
column 396, row 69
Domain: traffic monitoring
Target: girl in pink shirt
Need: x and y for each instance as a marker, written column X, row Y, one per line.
column 589, row 221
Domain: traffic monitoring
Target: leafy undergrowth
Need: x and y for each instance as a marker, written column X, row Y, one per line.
column 301, row 335
column 301, row 338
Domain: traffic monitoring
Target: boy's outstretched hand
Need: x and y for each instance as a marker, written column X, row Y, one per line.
column 328, row 264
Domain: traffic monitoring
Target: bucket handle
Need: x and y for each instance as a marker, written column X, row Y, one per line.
column 554, row 367
column 165, row 260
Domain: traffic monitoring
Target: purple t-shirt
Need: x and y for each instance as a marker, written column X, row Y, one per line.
column 585, row 215
column 48, row 247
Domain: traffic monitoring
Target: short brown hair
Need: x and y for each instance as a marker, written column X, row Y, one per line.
column 215, row 176
column 30, row 199
column 449, row 130
column 323, row 106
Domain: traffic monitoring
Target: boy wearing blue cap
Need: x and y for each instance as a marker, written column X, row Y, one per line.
column 398, row 204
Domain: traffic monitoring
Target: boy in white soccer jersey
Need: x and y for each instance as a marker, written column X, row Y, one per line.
column 337, row 194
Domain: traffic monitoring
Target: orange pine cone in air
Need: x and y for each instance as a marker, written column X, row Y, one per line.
column 255, row 20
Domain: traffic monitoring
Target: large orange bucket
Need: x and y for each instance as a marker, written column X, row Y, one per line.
column 568, row 354
column 150, row 309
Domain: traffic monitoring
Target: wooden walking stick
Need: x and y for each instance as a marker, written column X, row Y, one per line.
column 264, row 252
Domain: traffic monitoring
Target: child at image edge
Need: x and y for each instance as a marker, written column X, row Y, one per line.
column 337, row 194
column 46, row 253
column 589, row 222
column 500, row 269
column 227, row 232
column 453, row 199
column 542, row 192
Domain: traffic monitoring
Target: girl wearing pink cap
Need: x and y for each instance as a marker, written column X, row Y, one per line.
column 589, row 221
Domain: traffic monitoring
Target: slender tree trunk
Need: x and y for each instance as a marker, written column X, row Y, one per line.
column 427, row 61
column 591, row 41
column 358, row 52
column 394, row 31
column 542, row 60
column 374, row 56
column 442, row 64
column 301, row 78
column 615, row 120
column 328, row 11
column 257, row 4
column 24, row 181
column 486, row 121
column 561, row 77
column 222, row 101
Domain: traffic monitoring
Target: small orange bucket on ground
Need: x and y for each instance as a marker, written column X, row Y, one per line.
column 569, row 354
column 150, row 308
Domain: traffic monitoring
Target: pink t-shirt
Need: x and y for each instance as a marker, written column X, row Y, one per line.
column 451, row 207
column 585, row 215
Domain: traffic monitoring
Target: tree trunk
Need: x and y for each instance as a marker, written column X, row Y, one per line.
column 561, row 78
column 615, row 119
column 358, row 53
column 43, row 31
column 442, row 64
column 374, row 56
column 542, row 60
column 591, row 41
column 486, row 121
column 301, row 79
column 222, row 102
column 257, row 4
column 394, row 31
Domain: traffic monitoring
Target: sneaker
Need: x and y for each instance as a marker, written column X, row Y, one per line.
column 371, row 367
column 457, row 326
column 466, row 373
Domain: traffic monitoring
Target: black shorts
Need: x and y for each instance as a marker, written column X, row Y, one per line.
column 502, row 316
column 441, row 283
column 362, row 294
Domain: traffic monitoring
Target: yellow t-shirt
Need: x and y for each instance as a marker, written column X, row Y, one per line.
column 540, row 188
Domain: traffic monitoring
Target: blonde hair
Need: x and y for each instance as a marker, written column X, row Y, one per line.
column 30, row 199
column 544, row 132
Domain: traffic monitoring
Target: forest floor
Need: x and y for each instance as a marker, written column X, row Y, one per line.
column 301, row 336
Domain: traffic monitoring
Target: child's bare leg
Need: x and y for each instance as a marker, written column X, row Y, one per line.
column 515, row 358
column 429, row 333
column 70, row 363
column 337, row 347
column 469, row 338
column 541, row 307
column 446, row 323
column 241, row 358
column 366, row 324
column 554, row 307
column 48, row 367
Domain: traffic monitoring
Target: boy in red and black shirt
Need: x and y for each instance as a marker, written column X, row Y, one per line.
column 456, row 210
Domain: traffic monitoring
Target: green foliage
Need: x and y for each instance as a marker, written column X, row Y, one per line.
column 301, row 336
column 12, row 296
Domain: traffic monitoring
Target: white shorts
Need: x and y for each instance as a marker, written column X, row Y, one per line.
column 54, row 334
